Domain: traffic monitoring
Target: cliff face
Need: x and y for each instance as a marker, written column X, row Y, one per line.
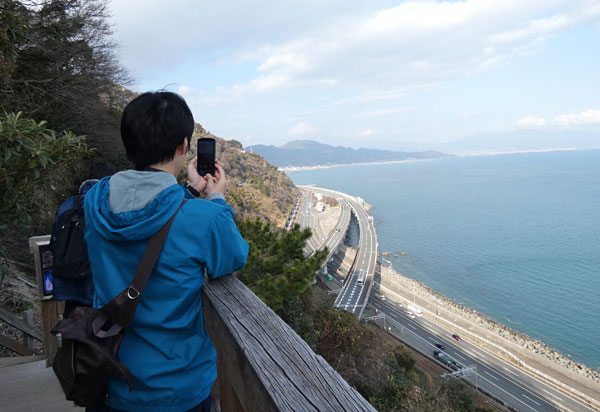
column 256, row 188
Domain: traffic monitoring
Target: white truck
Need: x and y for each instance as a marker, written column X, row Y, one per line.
column 362, row 276
column 411, row 308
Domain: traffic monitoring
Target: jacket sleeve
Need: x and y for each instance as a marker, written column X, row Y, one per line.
column 227, row 248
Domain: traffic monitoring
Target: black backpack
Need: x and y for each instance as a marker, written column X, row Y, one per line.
column 89, row 338
column 69, row 248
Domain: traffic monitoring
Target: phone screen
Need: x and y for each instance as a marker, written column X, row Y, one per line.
column 206, row 156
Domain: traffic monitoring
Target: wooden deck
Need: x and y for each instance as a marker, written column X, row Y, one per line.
column 31, row 387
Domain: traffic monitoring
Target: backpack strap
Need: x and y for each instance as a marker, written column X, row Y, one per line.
column 78, row 207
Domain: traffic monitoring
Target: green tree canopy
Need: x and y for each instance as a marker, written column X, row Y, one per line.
column 58, row 63
column 277, row 270
column 31, row 155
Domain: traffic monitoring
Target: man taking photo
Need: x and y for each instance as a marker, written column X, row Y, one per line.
column 166, row 347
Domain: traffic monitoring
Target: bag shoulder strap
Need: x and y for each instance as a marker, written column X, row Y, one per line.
column 150, row 257
column 122, row 308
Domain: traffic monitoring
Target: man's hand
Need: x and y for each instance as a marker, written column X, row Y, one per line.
column 198, row 182
column 218, row 182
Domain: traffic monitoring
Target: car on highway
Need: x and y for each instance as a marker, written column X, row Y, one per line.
column 440, row 346
column 411, row 315
column 399, row 304
column 456, row 338
column 456, row 365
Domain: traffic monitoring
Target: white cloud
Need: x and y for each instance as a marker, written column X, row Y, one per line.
column 387, row 112
column 467, row 115
column 416, row 44
column 533, row 29
column 379, row 53
column 532, row 121
column 367, row 132
column 591, row 116
column 302, row 128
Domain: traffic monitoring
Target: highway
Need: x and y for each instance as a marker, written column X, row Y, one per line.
column 493, row 375
column 354, row 295
column 307, row 219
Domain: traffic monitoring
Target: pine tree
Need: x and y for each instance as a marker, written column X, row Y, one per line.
column 277, row 270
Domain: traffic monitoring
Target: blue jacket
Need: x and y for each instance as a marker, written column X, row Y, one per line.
column 166, row 346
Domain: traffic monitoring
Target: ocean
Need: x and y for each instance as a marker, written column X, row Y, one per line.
column 516, row 237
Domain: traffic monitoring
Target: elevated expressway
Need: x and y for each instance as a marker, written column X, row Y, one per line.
column 354, row 294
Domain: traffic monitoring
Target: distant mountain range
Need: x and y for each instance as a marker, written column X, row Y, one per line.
column 310, row 153
column 522, row 140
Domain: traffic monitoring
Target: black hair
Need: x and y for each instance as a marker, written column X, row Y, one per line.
column 153, row 126
column 101, row 169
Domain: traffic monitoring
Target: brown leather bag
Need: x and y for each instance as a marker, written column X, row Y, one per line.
column 90, row 338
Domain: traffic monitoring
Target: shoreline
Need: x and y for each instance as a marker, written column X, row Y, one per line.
column 525, row 345
column 294, row 169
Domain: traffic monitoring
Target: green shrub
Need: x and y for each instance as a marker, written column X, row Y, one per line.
column 30, row 156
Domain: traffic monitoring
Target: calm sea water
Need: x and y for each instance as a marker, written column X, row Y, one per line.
column 516, row 237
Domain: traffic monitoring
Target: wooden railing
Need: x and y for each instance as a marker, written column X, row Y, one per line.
column 262, row 364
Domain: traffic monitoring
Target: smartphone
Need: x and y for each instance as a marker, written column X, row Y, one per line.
column 206, row 156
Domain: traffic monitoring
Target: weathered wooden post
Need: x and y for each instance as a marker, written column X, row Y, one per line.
column 39, row 246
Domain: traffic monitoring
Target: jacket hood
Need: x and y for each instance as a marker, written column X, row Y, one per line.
column 132, row 205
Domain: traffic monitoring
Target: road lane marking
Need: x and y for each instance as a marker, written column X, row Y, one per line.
column 509, row 371
column 428, row 323
column 459, row 356
column 537, row 403
column 489, row 374
column 506, row 392
column 429, row 337
column 411, row 326
column 477, row 352
column 551, row 394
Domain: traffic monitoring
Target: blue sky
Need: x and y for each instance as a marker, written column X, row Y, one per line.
column 379, row 74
